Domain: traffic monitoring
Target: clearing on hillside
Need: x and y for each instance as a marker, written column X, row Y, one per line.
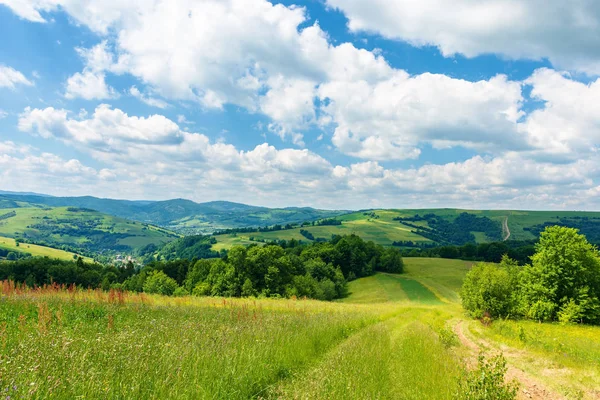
column 38, row 251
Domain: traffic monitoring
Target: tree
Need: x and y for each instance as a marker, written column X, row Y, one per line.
column 12, row 256
column 563, row 278
column 490, row 290
column 158, row 282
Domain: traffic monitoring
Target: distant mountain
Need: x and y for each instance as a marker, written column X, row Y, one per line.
column 24, row 193
column 184, row 216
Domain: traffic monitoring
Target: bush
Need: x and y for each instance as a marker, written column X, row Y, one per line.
column 490, row 289
column 180, row 292
column 486, row 382
column 158, row 282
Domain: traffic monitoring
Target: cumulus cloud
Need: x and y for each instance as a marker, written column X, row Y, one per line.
column 568, row 125
column 151, row 101
column 91, row 83
column 10, row 78
column 388, row 119
column 567, row 33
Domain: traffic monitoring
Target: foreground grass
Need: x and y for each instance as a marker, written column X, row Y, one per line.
column 401, row 358
column 87, row 345
column 565, row 357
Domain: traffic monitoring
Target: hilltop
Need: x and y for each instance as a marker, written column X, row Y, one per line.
column 79, row 230
column 180, row 215
column 428, row 227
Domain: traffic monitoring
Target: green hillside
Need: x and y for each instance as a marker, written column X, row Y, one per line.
column 10, row 244
column 430, row 226
column 79, row 230
column 183, row 216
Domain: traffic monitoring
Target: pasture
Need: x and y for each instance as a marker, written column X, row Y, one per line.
column 38, row 251
column 394, row 336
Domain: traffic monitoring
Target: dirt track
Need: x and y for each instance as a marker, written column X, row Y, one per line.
column 529, row 387
column 505, row 229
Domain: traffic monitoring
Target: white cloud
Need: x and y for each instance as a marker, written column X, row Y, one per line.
column 390, row 118
column 568, row 125
column 3, row 114
column 10, row 78
column 566, row 33
column 89, row 86
column 151, row 101
column 91, row 83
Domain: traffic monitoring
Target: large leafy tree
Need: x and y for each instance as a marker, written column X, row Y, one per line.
column 563, row 280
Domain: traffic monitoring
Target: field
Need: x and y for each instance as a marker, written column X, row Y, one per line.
column 80, row 229
column 38, row 251
column 379, row 226
column 393, row 337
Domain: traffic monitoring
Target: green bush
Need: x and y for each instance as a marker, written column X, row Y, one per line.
column 486, row 382
column 158, row 282
column 490, row 290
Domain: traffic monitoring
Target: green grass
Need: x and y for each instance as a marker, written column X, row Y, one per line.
column 384, row 230
column 387, row 340
column 394, row 359
column 442, row 276
column 59, row 348
column 38, row 251
column 381, row 288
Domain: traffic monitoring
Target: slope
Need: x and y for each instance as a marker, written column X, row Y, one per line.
column 79, row 230
column 427, row 227
column 181, row 215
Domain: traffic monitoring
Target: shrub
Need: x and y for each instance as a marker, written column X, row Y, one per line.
column 486, row 382
column 490, row 290
column 180, row 292
column 158, row 282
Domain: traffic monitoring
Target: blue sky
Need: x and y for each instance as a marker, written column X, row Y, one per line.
column 323, row 103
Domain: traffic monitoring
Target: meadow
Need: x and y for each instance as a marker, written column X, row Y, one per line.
column 82, row 229
column 380, row 227
column 395, row 336
column 38, row 251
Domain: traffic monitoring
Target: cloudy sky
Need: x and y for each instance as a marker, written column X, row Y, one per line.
column 323, row 103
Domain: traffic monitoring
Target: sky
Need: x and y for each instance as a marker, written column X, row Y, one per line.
column 337, row 104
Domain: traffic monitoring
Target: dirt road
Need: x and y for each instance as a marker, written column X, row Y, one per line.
column 505, row 229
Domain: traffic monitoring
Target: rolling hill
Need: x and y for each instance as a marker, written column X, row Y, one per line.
column 79, row 230
column 428, row 227
column 183, row 216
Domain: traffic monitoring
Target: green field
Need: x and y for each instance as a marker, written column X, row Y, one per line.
column 394, row 337
column 82, row 229
column 38, row 251
column 381, row 288
column 383, row 230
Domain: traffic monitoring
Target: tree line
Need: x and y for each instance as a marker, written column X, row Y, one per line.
column 316, row 270
column 561, row 283
column 518, row 250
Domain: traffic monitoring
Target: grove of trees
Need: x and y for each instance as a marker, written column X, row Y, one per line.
column 317, row 270
column 562, row 282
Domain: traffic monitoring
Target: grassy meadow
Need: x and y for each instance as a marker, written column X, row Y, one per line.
column 394, row 337
column 383, row 230
column 80, row 228
column 38, row 251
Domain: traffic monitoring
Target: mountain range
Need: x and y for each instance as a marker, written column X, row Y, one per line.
column 180, row 215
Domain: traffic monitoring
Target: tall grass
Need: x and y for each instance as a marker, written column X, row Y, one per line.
column 67, row 344
column 394, row 359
